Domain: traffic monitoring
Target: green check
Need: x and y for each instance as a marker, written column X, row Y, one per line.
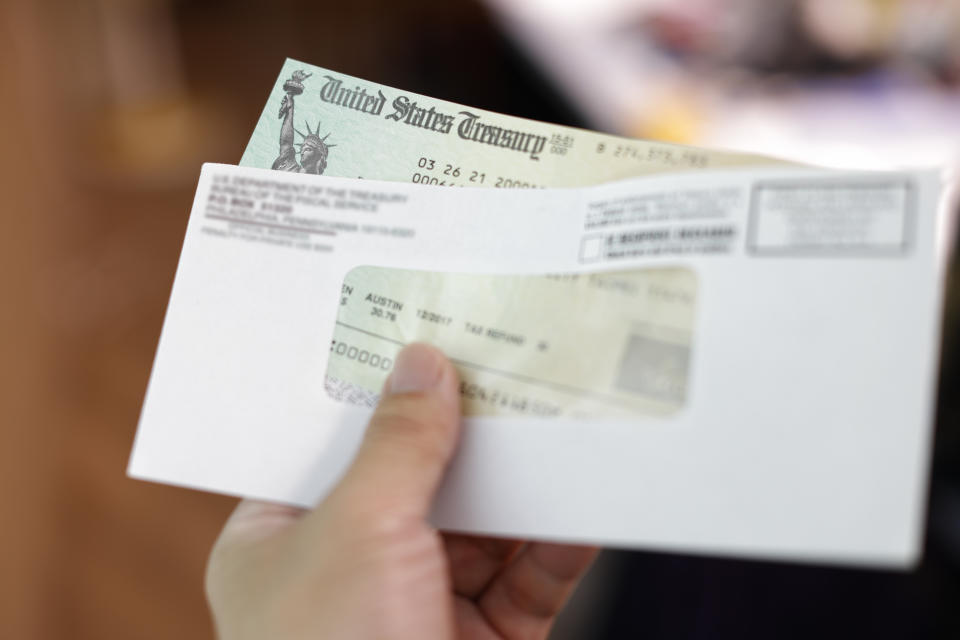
column 607, row 357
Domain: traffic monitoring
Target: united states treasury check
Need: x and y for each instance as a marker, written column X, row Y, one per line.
column 579, row 345
column 321, row 122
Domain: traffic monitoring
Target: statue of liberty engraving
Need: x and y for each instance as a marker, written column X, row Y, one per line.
column 313, row 148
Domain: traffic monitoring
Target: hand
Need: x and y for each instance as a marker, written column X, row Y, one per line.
column 286, row 105
column 366, row 564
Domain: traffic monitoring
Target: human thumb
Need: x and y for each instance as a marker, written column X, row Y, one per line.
column 411, row 436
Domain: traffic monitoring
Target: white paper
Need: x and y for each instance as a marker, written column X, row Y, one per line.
column 806, row 433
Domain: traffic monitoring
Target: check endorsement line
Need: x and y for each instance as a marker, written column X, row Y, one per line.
column 506, row 374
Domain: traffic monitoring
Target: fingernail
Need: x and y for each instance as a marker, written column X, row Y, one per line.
column 417, row 368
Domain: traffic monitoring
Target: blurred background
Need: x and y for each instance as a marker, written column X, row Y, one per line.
column 107, row 110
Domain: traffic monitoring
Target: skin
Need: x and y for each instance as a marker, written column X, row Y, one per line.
column 365, row 563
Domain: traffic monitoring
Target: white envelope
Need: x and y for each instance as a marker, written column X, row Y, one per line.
column 807, row 424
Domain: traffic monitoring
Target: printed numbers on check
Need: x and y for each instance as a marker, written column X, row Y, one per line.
column 361, row 356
